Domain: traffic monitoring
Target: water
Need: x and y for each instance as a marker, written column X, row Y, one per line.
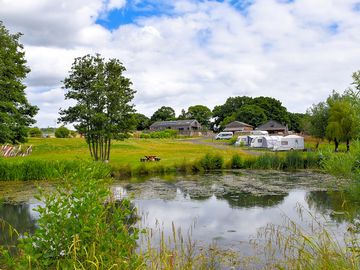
column 224, row 208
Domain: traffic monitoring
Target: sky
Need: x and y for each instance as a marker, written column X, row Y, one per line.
column 181, row 53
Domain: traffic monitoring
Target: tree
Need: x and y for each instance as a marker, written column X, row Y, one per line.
column 182, row 115
column 103, row 111
column 142, row 122
column 318, row 116
column 16, row 113
column 35, row 132
column 201, row 113
column 163, row 114
column 342, row 123
column 296, row 121
column 62, row 132
column 273, row 109
column 251, row 114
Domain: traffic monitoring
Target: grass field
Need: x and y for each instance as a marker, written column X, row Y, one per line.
column 127, row 152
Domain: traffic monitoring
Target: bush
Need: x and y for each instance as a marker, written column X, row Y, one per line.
column 62, row 132
column 164, row 134
column 294, row 160
column 232, row 141
column 212, row 162
column 35, row 132
column 236, row 162
column 78, row 230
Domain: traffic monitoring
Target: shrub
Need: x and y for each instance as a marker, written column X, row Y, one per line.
column 35, row 132
column 232, row 141
column 236, row 162
column 62, row 132
column 78, row 230
column 212, row 162
column 294, row 160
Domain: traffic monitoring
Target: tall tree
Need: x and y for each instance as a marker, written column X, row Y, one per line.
column 251, row 114
column 142, row 121
column 318, row 116
column 103, row 111
column 342, row 123
column 163, row 114
column 16, row 113
column 201, row 113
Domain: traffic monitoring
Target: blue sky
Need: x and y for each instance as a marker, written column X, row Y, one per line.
column 181, row 53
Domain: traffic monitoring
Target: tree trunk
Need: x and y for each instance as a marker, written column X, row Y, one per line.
column 336, row 145
column 347, row 145
column 108, row 149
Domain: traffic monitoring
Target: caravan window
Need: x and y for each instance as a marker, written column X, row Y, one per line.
column 259, row 140
column 284, row 143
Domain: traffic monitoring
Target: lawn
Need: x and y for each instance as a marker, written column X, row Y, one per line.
column 127, row 152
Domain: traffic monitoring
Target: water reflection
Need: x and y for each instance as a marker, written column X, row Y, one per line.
column 21, row 217
column 226, row 208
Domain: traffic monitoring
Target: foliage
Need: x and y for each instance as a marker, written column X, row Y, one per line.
column 212, row 162
column 297, row 122
column 252, row 115
column 78, row 230
column 62, row 132
column 262, row 109
column 35, row 132
column 318, row 116
column 306, row 247
column 164, row 134
column 31, row 170
column 163, row 114
column 142, row 122
column 103, row 109
column 236, row 162
column 342, row 124
column 16, row 113
column 201, row 113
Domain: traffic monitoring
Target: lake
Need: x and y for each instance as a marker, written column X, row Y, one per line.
column 225, row 208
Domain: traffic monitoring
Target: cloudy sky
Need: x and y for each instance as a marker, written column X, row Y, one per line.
column 180, row 53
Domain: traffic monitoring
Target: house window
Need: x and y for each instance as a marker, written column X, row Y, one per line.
column 181, row 128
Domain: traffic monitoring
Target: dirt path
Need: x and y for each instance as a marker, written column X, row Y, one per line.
column 221, row 145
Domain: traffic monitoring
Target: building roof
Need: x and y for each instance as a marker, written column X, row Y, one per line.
column 174, row 123
column 272, row 125
column 235, row 124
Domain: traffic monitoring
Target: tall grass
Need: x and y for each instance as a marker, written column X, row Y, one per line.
column 291, row 246
column 28, row 169
column 35, row 169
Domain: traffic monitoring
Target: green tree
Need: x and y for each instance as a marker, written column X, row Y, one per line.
column 182, row 115
column 16, row 113
column 342, row 124
column 318, row 116
column 296, row 121
column 273, row 109
column 62, row 132
column 142, row 122
column 103, row 110
column 163, row 114
column 35, row 132
column 251, row 114
column 201, row 113
column 231, row 105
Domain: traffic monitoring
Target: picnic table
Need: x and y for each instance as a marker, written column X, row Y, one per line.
column 150, row 158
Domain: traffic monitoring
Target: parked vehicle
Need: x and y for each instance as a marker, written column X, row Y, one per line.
column 224, row 136
column 244, row 140
column 265, row 141
column 291, row 142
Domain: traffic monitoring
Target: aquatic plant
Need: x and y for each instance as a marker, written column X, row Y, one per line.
column 212, row 162
column 78, row 230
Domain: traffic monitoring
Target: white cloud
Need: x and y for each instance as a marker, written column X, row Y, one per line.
column 296, row 52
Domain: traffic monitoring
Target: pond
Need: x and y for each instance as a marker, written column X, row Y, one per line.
column 225, row 208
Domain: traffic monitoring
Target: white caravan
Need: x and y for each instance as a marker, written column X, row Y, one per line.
column 265, row 141
column 244, row 140
column 259, row 132
column 291, row 142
